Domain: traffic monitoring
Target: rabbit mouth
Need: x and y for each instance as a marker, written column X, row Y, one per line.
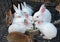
column 39, row 22
column 26, row 22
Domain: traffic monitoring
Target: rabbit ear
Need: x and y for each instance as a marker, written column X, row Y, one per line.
column 22, row 6
column 10, row 13
column 42, row 8
column 25, row 4
column 19, row 6
column 15, row 8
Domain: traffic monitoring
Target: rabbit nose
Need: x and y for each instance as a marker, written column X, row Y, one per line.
column 26, row 22
column 26, row 15
column 38, row 22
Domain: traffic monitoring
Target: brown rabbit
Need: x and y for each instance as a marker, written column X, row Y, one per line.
column 58, row 8
column 18, row 37
column 9, row 17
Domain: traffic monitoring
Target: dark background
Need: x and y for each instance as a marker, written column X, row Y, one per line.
column 5, row 5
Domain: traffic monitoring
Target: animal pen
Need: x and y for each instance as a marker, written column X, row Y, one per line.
column 5, row 5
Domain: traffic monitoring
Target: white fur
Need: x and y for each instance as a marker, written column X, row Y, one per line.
column 47, row 29
column 19, row 26
column 45, row 17
column 26, row 8
column 16, row 28
column 30, row 25
column 18, row 20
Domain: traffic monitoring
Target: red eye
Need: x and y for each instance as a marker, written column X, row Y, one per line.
column 37, row 16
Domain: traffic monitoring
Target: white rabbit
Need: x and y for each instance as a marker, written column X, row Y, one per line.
column 26, row 8
column 43, row 14
column 18, row 11
column 16, row 28
column 47, row 29
column 17, row 15
column 27, row 12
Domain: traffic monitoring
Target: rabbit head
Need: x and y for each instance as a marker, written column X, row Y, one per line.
column 28, row 24
column 39, row 13
column 18, row 12
column 26, row 9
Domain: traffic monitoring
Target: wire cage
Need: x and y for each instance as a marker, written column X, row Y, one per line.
column 5, row 5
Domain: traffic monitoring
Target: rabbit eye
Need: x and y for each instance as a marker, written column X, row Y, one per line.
column 37, row 16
